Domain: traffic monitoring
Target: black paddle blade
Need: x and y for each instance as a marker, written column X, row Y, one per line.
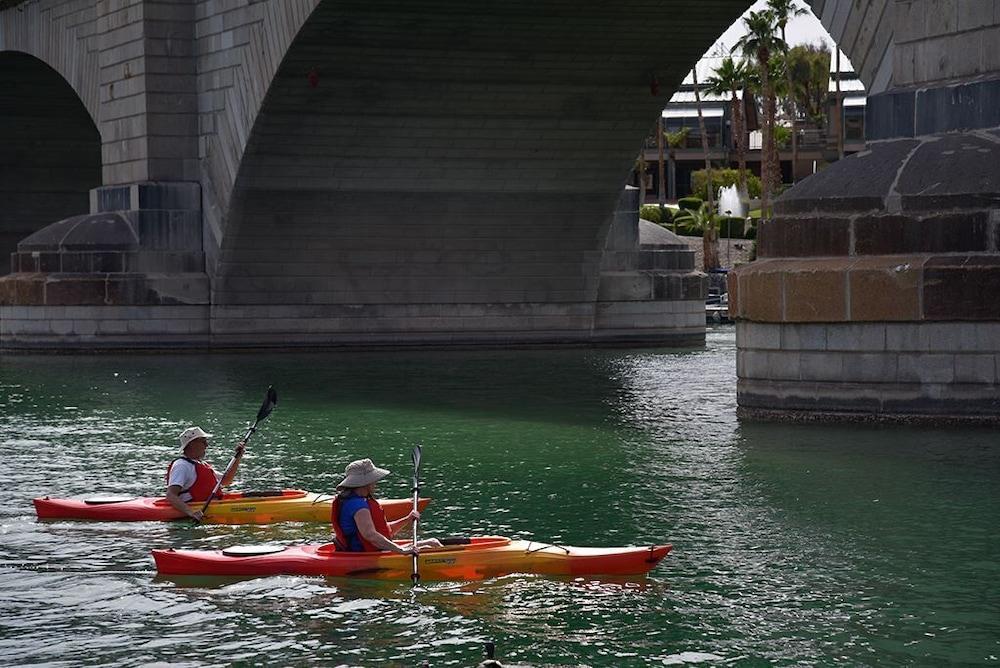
column 270, row 401
column 416, row 460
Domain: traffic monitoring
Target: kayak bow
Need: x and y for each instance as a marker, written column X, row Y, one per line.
column 480, row 557
column 287, row 505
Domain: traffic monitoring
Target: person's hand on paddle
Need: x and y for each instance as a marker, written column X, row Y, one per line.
column 414, row 515
column 196, row 515
column 240, row 448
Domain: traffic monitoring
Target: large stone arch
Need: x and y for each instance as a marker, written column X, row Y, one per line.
column 243, row 48
column 50, row 150
column 447, row 163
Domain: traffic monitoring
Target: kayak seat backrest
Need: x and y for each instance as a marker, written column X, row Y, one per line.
column 456, row 540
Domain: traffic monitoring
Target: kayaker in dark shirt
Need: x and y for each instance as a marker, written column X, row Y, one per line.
column 359, row 524
column 191, row 480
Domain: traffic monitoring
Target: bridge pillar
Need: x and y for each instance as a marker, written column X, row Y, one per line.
column 132, row 272
column 877, row 291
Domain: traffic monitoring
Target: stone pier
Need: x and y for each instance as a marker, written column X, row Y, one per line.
column 877, row 291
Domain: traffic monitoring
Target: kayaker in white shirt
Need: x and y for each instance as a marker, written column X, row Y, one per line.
column 192, row 480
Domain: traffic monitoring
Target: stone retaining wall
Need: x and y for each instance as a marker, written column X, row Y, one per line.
column 876, row 370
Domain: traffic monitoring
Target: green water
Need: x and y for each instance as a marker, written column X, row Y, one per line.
column 794, row 545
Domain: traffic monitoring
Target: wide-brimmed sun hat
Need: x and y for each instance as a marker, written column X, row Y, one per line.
column 192, row 433
column 361, row 473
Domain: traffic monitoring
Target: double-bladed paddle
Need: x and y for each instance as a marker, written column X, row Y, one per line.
column 270, row 401
column 416, row 496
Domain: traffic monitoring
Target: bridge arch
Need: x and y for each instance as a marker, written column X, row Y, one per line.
column 50, row 150
column 453, row 156
column 389, row 155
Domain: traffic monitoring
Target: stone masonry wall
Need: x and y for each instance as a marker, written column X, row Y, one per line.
column 875, row 295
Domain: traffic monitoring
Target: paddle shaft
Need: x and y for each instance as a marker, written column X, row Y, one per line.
column 270, row 401
column 229, row 466
column 416, row 497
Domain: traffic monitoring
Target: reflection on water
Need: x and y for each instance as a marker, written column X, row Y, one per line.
column 795, row 545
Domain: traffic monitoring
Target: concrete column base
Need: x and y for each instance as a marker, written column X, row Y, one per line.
column 876, row 293
column 941, row 371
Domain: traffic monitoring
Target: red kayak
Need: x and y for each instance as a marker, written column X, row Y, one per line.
column 462, row 559
column 286, row 505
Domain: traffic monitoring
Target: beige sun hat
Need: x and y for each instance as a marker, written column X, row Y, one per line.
column 190, row 434
column 361, row 473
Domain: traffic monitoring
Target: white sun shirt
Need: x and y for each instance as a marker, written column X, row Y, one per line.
column 183, row 474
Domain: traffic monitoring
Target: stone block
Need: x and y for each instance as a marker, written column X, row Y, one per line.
column 962, row 287
column 77, row 263
column 783, row 365
column 975, row 368
column 84, row 327
column 953, row 336
column 910, row 20
column 758, row 335
column 870, row 367
column 46, row 263
column 624, row 287
column 856, row 337
column 75, row 291
column 667, row 286
column 107, row 263
column 760, row 292
column 821, row 366
column 61, row 327
column 879, row 234
column 694, row 287
column 910, row 336
column 795, row 336
column 809, row 237
column 926, row 368
column 168, row 229
column 885, row 288
column 890, row 115
column 988, row 336
column 816, row 291
column 754, row 363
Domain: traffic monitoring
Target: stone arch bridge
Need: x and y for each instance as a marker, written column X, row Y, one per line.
column 233, row 173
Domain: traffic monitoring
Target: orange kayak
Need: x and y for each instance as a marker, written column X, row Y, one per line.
column 286, row 505
column 462, row 559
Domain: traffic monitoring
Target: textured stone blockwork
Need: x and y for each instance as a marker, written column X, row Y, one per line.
column 876, row 293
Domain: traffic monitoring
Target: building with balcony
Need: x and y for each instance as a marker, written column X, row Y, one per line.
column 838, row 135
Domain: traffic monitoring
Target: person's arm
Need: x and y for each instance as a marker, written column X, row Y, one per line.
column 240, row 447
column 394, row 527
column 174, row 499
column 363, row 518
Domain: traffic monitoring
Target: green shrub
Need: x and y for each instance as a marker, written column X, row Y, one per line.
column 731, row 226
column 750, row 232
column 721, row 178
column 690, row 223
column 651, row 212
column 689, row 203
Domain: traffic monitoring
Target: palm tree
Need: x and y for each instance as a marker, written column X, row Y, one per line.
column 674, row 141
column 732, row 77
column 704, row 219
column 783, row 10
column 759, row 42
column 640, row 169
column 704, row 139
